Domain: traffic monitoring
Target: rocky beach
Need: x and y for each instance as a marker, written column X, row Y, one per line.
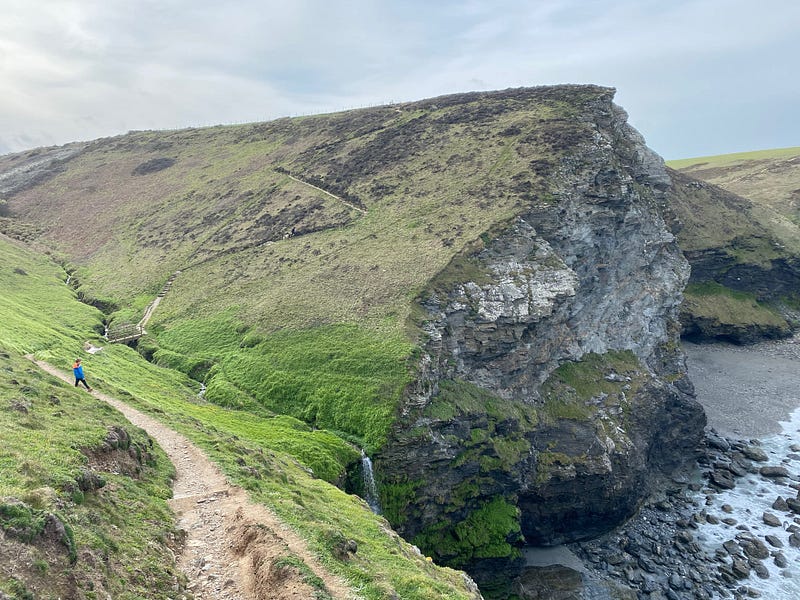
column 729, row 528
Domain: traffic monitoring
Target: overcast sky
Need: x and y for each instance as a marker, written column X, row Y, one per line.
column 697, row 77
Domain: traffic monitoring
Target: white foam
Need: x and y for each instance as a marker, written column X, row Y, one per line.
column 750, row 499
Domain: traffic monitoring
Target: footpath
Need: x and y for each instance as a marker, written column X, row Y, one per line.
column 231, row 543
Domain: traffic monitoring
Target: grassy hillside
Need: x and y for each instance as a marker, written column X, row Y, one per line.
column 270, row 456
column 769, row 178
column 408, row 189
column 740, row 228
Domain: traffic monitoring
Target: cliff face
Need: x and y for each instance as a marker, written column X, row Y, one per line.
column 551, row 384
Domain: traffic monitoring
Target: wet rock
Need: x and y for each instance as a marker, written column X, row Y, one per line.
column 722, row 479
column 738, row 469
column 780, row 560
column 754, row 453
column 676, row 582
column 727, row 508
column 771, row 520
column 773, row 541
column 774, row 472
column 717, row 442
column 794, row 540
column 761, row 571
column 754, row 548
column 684, row 536
column 731, row 547
column 793, row 504
column 780, row 504
column 740, row 568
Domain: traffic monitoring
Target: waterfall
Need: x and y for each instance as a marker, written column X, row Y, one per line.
column 202, row 392
column 69, row 278
column 370, row 489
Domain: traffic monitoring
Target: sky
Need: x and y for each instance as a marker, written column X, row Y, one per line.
column 697, row 77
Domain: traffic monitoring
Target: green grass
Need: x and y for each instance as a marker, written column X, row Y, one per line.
column 342, row 377
column 268, row 454
column 723, row 305
column 726, row 160
column 47, row 429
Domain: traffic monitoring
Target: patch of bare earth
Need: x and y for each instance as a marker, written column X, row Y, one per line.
column 234, row 549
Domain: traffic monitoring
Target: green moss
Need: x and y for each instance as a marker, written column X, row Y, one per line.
column 458, row 397
column 395, row 498
column 548, row 462
column 488, row 532
column 567, row 391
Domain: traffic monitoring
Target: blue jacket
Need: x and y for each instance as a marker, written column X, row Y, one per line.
column 78, row 370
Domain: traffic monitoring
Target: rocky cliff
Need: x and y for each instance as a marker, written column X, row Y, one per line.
column 519, row 236
column 551, row 386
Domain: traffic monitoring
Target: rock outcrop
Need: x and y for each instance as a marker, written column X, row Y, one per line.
column 552, row 385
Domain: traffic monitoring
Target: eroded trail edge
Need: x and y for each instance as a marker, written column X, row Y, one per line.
column 231, row 542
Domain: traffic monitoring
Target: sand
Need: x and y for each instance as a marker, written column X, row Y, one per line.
column 746, row 391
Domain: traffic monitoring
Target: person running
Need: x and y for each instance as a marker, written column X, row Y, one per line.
column 77, row 369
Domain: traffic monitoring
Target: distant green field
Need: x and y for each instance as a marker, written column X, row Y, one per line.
column 727, row 160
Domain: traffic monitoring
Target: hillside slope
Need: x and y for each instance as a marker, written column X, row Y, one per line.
column 481, row 290
column 769, row 177
column 739, row 224
column 83, row 492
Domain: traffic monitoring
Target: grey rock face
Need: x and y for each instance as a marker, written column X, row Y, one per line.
column 588, row 276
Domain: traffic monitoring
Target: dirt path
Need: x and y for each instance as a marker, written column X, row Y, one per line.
column 231, row 543
column 148, row 312
column 334, row 196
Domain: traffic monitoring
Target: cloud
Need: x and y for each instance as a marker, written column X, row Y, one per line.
column 79, row 69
